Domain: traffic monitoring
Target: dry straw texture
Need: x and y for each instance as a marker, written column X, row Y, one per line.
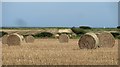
column 106, row 39
column 89, row 41
column 23, row 39
column 29, row 39
column 4, row 39
column 63, row 38
column 51, row 52
column 14, row 39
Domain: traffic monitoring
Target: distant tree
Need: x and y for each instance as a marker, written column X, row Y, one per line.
column 78, row 31
column 43, row 35
column 85, row 27
column 118, row 27
column 2, row 33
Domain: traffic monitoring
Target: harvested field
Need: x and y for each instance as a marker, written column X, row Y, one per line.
column 0, row 53
column 51, row 52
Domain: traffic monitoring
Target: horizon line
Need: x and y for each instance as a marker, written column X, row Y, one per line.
column 54, row 27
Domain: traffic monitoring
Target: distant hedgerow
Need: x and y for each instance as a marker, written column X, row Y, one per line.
column 43, row 35
column 2, row 33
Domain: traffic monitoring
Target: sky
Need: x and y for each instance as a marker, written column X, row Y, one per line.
column 119, row 13
column 59, row 14
column 0, row 14
column 60, row 0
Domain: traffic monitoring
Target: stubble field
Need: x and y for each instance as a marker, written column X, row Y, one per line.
column 51, row 52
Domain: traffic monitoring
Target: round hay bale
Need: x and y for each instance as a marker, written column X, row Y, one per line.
column 106, row 39
column 4, row 39
column 63, row 38
column 14, row 39
column 57, row 36
column 23, row 39
column 89, row 41
column 29, row 39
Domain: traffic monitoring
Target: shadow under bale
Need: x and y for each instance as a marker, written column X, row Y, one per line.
column 89, row 41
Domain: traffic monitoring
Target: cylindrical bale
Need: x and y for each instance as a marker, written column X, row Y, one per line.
column 29, row 39
column 89, row 41
column 14, row 39
column 4, row 39
column 22, row 37
column 63, row 38
column 106, row 39
column 57, row 36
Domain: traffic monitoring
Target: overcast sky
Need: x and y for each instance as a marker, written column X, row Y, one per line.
column 60, row 14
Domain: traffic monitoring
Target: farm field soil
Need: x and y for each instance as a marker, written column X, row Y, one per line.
column 51, row 52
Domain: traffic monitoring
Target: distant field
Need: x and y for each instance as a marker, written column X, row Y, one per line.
column 53, row 30
column 108, row 29
column 51, row 52
column 33, row 28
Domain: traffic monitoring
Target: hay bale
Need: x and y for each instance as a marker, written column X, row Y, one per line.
column 63, row 38
column 57, row 36
column 106, row 39
column 23, row 39
column 14, row 39
column 29, row 39
column 89, row 41
column 4, row 39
